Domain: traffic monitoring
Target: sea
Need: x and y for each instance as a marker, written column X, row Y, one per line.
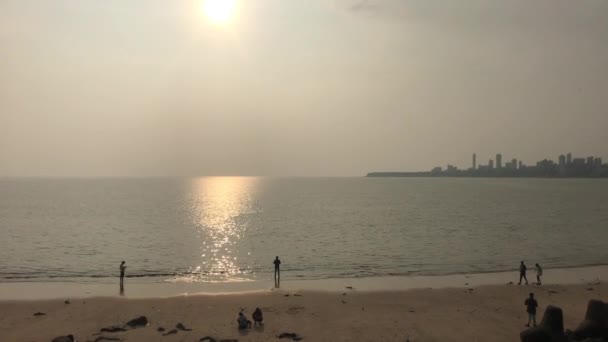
column 230, row 229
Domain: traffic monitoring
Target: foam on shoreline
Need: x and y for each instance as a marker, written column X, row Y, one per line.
column 54, row 290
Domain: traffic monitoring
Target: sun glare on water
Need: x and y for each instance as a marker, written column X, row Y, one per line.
column 219, row 11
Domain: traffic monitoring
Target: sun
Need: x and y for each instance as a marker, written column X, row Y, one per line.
column 219, row 11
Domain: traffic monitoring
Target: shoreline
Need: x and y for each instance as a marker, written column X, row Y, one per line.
column 14, row 291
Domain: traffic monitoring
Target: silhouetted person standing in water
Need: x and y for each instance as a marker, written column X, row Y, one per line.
column 522, row 273
column 122, row 272
column 539, row 273
column 277, row 272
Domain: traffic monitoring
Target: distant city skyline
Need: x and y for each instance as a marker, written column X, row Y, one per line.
column 567, row 165
column 562, row 160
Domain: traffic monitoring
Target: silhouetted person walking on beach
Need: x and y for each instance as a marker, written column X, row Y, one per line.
column 522, row 273
column 531, row 305
column 277, row 272
column 539, row 273
column 122, row 272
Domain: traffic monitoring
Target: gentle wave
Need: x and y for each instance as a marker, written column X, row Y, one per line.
column 208, row 276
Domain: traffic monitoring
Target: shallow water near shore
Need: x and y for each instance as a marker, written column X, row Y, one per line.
column 62, row 290
column 228, row 229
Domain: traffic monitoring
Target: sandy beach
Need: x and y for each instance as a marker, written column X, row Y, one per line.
column 484, row 313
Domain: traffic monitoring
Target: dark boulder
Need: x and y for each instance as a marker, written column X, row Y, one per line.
column 551, row 328
column 553, row 319
column 536, row 334
column 595, row 324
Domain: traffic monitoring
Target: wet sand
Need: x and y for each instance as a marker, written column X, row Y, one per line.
column 484, row 313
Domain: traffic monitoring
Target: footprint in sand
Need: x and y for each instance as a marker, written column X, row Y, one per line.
column 294, row 310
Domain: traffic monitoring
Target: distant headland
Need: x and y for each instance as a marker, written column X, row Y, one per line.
column 566, row 167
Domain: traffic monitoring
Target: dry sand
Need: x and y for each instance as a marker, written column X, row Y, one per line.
column 486, row 313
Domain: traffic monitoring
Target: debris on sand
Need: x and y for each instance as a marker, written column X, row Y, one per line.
column 106, row 338
column 349, row 287
column 141, row 321
column 207, row 339
column 293, row 336
column 113, row 329
column 160, row 329
column 39, row 314
column 181, row 327
column 67, row 338
column 170, row 332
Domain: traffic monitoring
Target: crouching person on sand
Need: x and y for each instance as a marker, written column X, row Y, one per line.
column 243, row 322
column 257, row 317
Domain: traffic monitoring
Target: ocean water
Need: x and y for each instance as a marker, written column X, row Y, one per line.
column 230, row 228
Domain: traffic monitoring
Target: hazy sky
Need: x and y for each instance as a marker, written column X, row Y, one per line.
column 297, row 87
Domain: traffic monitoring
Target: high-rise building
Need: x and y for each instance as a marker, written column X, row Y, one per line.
column 578, row 162
column 569, row 159
column 490, row 164
column 474, row 161
column 521, row 164
column 590, row 161
column 562, row 161
column 514, row 164
column 597, row 163
column 499, row 161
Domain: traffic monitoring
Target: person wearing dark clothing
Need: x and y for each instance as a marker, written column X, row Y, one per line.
column 539, row 273
column 531, row 305
column 243, row 322
column 522, row 273
column 277, row 272
column 122, row 271
column 257, row 317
